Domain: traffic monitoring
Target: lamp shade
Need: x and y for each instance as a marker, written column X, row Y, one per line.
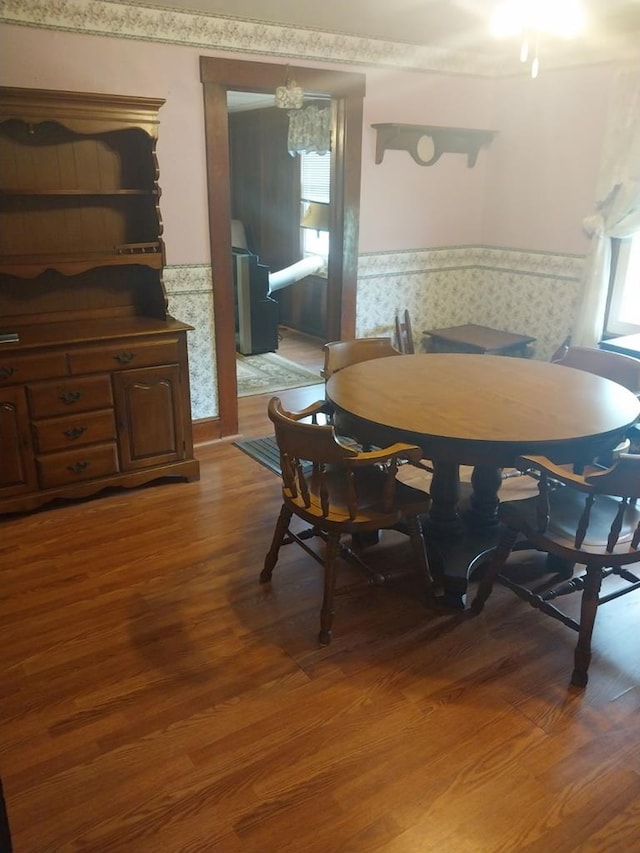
column 316, row 216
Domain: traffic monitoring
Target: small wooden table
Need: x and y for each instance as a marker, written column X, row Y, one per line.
column 477, row 339
column 482, row 411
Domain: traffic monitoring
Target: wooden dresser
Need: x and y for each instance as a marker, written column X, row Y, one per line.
column 94, row 384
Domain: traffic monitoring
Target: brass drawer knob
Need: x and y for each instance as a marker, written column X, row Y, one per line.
column 6, row 372
column 125, row 357
column 79, row 467
column 71, row 396
column 74, row 432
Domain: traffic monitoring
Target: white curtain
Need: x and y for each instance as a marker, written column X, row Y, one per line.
column 617, row 212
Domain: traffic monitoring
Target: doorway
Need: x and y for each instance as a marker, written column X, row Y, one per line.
column 347, row 91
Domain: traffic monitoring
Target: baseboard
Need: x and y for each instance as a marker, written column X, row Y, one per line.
column 205, row 430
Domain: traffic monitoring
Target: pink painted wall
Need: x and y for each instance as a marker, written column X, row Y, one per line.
column 544, row 163
column 528, row 190
column 408, row 206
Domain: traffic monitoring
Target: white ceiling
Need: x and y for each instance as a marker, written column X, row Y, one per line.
column 453, row 24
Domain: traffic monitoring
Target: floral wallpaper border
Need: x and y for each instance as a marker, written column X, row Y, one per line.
column 241, row 35
column 532, row 293
column 488, row 257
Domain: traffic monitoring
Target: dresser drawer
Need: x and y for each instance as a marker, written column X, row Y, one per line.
column 74, row 466
column 24, row 368
column 58, row 397
column 74, row 430
column 124, row 355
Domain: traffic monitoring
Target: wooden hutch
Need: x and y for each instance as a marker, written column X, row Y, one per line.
column 94, row 383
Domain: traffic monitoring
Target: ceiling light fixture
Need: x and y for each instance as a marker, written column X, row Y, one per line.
column 531, row 19
column 290, row 96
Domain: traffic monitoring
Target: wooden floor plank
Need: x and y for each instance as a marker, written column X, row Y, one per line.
column 156, row 697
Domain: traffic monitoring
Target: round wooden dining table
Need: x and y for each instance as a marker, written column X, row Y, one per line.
column 483, row 411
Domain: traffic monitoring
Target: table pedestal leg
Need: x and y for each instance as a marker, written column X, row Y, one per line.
column 444, row 520
column 483, row 503
column 444, row 527
column 453, row 541
column 454, row 558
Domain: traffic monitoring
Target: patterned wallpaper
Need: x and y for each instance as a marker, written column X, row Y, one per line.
column 189, row 289
column 532, row 293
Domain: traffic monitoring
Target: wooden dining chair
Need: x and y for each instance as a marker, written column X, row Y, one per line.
column 404, row 333
column 341, row 354
column 339, row 490
column 623, row 369
column 561, row 351
column 590, row 519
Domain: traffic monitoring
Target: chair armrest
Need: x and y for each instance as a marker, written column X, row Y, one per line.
column 560, row 473
column 320, row 407
column 622, row 479
column 396, row 451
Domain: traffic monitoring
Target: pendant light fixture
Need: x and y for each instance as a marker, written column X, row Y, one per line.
column 532, row 20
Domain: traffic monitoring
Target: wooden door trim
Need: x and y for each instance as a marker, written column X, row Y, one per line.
column 347, row 89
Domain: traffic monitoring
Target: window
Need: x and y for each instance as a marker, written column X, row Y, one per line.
column 623, row 312
column 315, row 186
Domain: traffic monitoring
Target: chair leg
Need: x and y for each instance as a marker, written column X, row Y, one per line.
column 414, row 529
column 560, row 566
column 588, row 610
column 282, row 525
column 497, row 561
column 326, row 613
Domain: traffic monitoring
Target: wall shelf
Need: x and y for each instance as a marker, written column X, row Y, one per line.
column 415, row 138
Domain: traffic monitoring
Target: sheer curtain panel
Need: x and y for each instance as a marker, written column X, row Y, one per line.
column 617, row 212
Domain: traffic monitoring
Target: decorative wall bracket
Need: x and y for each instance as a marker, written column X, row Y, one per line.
column 427, row 143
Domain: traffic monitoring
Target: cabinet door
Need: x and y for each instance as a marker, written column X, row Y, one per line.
column 150, row 414
column 17, row 469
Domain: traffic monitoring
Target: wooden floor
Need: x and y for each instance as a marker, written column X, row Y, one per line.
column 155, row 697
column 301, row 348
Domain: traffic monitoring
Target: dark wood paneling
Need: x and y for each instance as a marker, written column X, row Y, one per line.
column 303, row 306
column 265, row 185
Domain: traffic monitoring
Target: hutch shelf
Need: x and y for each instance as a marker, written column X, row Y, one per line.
column 94, row 387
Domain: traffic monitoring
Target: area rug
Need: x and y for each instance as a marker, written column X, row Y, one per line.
column 264, row 450
column 261, row 374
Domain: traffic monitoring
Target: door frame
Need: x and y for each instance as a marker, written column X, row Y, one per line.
column 347, row 90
